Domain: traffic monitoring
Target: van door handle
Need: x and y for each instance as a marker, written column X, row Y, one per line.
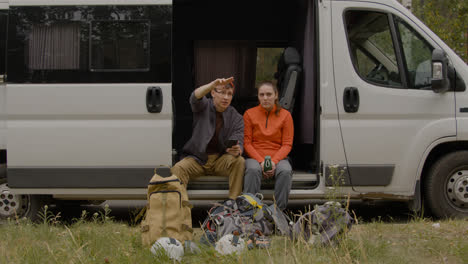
column 154, row 99
column 351, row 99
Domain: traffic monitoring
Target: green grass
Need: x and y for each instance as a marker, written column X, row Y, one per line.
column 102, row 240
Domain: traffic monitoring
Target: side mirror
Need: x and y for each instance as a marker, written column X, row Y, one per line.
column 440, row 80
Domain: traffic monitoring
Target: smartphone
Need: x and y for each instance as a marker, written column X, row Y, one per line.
column 230, row 142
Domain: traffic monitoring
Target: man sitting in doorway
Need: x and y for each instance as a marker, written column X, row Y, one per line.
column 215, row 123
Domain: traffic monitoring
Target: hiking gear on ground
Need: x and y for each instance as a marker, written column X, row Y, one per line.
column 168, row 211
column 246, row 215
column 258, row 240
column 208, row 238
column 262, row 242
column 282, row 222
column 168, row 246
column 323, row 224
column 230, row 244
column 251, row 242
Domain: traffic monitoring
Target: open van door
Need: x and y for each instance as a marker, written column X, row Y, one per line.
column 89, row 97
column 389, row 114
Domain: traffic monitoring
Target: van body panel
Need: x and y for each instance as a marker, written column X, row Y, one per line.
column 89, row 97
column 140, row 193
column 461, row 102
column 92, row 125
column 79, row 177
column 392, row 125
column 331, row 143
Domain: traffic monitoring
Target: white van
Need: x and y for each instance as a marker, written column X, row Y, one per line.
column 94, row 96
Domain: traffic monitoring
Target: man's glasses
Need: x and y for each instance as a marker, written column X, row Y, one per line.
column 224, row 93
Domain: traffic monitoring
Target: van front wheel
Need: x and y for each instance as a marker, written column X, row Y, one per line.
column 19, row 205
column 446, row 187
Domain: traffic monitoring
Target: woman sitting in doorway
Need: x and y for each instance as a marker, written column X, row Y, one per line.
column 268, row 131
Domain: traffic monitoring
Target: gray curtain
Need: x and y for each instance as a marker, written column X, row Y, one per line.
column 219, row 59
column 308, row 92
column 55, row 47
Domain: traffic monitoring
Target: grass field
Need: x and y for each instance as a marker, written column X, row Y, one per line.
column 99, row 239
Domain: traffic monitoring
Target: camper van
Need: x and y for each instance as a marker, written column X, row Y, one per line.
column 94, row 96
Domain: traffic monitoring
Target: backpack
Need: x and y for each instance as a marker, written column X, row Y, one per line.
column 323, row 224
column 168, row 211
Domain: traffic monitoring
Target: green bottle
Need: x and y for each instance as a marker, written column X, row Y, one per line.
column 267, row 164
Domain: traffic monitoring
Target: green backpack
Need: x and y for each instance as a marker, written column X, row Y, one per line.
column 168, row 210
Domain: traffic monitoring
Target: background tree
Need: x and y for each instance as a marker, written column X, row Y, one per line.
column 448, row 19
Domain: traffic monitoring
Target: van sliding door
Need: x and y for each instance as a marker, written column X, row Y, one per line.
column 89, row 94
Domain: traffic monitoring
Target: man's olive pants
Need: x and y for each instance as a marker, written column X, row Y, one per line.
column 224, row 165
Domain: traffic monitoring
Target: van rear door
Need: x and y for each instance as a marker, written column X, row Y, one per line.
column 89, row 93
column 388, row 113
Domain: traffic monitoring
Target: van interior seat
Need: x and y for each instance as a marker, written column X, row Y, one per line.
column 288, row 73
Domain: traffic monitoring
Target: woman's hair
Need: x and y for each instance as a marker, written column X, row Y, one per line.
column 275, row 89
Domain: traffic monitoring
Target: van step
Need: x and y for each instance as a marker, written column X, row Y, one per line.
column 301, row 180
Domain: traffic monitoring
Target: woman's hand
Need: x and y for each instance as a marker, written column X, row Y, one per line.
column 268, row 174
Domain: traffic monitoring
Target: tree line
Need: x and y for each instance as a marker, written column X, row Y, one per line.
column 448, row 19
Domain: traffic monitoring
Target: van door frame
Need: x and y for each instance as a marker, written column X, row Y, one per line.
column 3, row 48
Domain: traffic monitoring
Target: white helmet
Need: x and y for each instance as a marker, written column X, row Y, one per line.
column 229, row 244
column 169, row 246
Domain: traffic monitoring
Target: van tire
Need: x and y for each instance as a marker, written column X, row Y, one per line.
column 446, row 186
column 15, row 206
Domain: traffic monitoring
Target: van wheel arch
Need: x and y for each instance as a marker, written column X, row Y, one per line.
column 446, row 185
column 437, row 153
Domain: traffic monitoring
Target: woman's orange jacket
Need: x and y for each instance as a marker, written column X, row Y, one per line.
column 268, row 134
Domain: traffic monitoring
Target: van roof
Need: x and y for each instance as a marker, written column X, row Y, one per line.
column 113, row 2
column 86, row 2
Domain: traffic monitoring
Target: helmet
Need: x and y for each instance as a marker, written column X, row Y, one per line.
column 229, row 244
column 168, row 246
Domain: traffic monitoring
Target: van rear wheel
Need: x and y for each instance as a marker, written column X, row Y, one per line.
column 19, row 205
column 446, row 187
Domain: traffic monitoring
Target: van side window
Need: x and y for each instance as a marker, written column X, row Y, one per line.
column 417, row 55
column 372, row 47
column 89, row 44
column 266, row 65
column 119, row 46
